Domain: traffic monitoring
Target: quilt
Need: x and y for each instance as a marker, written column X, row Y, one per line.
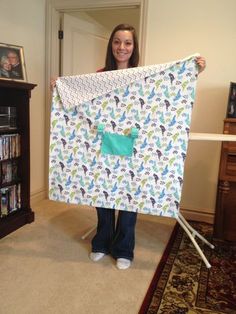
column 119, row 139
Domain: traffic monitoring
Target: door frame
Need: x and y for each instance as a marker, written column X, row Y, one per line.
column 53, row 10
column 55, row 7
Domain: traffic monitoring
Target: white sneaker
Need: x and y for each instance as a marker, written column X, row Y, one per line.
column 123, row 263
column 96, row 256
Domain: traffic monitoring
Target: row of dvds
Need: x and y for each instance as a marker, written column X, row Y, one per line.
column 8, row 171
column 9, row 146
column 10, row 199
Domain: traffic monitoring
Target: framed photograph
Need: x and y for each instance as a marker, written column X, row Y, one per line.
column 12, row 63
column 231, row 108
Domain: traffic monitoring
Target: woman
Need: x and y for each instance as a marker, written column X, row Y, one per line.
column 5, row 67
column 119, row 241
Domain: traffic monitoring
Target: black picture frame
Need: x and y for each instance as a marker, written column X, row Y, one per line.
column 12, row 63
column 231, row 108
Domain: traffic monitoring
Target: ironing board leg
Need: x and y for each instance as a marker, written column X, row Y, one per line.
column 191, row 232
column 194, row 232
column 88, row 232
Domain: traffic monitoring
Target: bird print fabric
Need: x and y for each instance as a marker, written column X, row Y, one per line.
column 157, row 101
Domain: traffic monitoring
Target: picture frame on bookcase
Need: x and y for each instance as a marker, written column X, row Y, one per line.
column 12, row 63
column 231, row 107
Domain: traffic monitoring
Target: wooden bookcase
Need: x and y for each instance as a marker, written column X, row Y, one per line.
column 15, row 210
column 225, row 214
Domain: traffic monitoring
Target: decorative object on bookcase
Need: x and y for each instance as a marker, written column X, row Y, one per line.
column 7, row 118
column 15, row 210
column 12, row 62
column 231, row 108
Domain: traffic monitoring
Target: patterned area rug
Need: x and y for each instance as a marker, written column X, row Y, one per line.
column 182, row 283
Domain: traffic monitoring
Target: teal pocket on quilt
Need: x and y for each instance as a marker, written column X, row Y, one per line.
column 117, row 144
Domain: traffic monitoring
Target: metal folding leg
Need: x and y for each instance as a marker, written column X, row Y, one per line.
column 192, row 233
column 84, row 236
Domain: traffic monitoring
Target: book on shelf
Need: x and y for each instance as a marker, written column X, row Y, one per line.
column 10, row 199
column 10, row 196
column 8, row 171
column 9, row 146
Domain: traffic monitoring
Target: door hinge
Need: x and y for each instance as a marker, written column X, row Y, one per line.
column 60, row 34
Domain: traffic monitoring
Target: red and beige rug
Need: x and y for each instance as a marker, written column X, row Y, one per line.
column 182, row 283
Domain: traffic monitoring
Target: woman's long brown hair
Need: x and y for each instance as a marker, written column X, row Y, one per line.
column 110, row 63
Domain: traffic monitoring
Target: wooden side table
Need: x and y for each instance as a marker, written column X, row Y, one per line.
column 225, row 214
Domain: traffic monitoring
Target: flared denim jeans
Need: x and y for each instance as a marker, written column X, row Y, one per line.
column 119, row 240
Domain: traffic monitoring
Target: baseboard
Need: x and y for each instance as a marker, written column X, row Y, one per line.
column 38, row 196
column 197, row 215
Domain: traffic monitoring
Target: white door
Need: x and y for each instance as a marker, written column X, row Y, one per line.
column 84, row 45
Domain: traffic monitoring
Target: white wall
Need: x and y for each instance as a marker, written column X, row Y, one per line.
column 23, row 23
column 176, row 29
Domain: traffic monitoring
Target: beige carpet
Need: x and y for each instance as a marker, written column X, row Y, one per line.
column 44, row 266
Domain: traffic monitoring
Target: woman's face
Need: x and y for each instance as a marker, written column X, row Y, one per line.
column 122, row 48
column 6, row 65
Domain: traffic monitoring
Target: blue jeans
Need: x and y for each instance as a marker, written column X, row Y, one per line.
column 119, row 241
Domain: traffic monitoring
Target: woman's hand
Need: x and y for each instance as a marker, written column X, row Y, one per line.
column 53, row 82
column 201, row 62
